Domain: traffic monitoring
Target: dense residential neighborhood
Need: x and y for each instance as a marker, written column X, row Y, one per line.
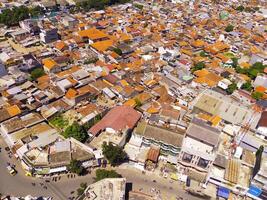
column 156, row 94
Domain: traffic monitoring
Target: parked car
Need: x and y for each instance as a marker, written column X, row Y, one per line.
column 11, row 170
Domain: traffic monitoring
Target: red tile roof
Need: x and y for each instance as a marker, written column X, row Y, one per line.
column 118, row 119
column 153, row 154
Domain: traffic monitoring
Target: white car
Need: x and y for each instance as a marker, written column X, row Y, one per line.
column 11, row 170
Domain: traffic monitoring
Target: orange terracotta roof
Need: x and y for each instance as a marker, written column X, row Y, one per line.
column 211, row 79
column 60, row 45
column 125, row 37
column 254, row 49
column 258, row 38
column 71, row 93
column 201, row 73
column 114, row 54
column 216, row 47
column 92, row 34
column 13, row 110
column 68, row 71
column 198, row 43
column 130, row 102
column 49, row 63
column 244, row 65
column 102, row 45
column 260, row 89
column 44, row 78
column 187, row 52
column 222, row 57
column 183, row 43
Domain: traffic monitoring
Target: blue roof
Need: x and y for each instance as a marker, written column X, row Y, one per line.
column 255, row 191
column 223, row 192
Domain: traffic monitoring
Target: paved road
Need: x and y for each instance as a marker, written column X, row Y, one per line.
column 21, row 185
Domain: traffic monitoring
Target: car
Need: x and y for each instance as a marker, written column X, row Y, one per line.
column 11, row 170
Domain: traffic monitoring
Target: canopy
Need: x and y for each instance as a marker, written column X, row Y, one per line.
column 174, row 176
column 255, row 191
column 223, row 192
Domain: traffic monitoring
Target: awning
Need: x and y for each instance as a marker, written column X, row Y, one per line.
column 255, row 191
column 223, row 192
column 182, row 177
column 58, row 169
column 174, row 176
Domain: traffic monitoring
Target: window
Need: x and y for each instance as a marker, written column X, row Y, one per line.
column 203, row 163
column 187, row 157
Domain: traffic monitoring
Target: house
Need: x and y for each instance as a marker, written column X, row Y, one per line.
column 30, row 25
column 198, row 151
column 74, row 96
column 69, row 21
column 29, row 63
column 93, row 35
column 169, row 141
column 51, row 66
column 3, row 71
column 116, row 120
column 48, row 34
column 20, row 34
column 230, row 110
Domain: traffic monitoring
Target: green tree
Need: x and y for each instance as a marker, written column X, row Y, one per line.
column 257, row 95
column 240, row 8
column 36, row 73
column 198, row 66
column 114, row 154
column 36, row 11
column 102, row 174
column 229, row 28
column 117, row 51
column 138, row 102
column 234, row 62
column 76, row 167
column 59, row 121
column 139, row 6
column 231, row 88
column 81, row 189
column 76, row 131
column 12, row 17
column 247, row 86
column 203, row 54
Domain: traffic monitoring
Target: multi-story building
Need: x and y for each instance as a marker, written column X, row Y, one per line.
column 199, row 146
column 169, row 141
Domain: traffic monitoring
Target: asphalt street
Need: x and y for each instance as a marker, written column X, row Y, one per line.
column 20, row 185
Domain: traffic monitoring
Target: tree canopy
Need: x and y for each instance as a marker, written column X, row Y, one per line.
column 198, row 66
column 252, row 71
column 231, row 88
column 13, row 16
column 257, row 95
column 114, row 154
column 36, row 73
column 81, row 189
column 76, row 131
column 247, row 86
column 59, row 121
column 76, row 167
column 98, row 5
column 102, row 174
column 229, row 28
